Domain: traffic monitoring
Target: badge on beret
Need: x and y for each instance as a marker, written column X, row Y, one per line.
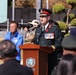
column 49, row 35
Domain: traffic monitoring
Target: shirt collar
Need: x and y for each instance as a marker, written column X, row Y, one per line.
column 15, row 34
column 46, row 25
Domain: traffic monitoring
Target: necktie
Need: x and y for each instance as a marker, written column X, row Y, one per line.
column 43, row 28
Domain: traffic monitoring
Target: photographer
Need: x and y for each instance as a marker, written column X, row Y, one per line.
column 30, row 30
column 27, row 27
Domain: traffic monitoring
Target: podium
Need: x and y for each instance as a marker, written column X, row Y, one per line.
column 36, row 57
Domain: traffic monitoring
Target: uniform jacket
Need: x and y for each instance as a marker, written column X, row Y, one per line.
column 17, row 39
column 12, row 67
column 51, row 36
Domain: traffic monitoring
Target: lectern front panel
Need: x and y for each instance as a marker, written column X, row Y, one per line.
column 31, row 59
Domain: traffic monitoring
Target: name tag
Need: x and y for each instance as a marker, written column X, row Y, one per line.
column 49, row 35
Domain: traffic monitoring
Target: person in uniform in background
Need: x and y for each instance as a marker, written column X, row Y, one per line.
column 48, row 34
column 10, row 65
column 15, row 37
column 30, row 32
column 69, row 46
column 67, row 65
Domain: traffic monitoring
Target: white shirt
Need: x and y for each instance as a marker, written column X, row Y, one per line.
column 46, row 25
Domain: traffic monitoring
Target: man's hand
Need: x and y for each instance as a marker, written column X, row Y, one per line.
column 53, row 47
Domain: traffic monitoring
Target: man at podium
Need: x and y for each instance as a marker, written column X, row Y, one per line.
column 48, row 34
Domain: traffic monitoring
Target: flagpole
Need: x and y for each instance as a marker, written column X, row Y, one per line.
column 38, row 6
column 13, row 9
column 47, row 4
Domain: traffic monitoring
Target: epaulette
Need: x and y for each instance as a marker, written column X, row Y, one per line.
column 54, row 23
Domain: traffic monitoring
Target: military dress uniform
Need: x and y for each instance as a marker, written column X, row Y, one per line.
column 50, row 36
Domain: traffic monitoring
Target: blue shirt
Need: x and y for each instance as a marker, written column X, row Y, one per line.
column 17, row 39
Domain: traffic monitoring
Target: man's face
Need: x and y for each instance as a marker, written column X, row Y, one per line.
column 44, row 19
column 13, row 27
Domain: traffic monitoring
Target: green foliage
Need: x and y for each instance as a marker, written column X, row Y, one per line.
column 62, row 25
column 71, row 2
column 58, row 8
column 73, row 22
column 27, row 4
column 24, row 3
column 71, row 16
column 67, row 34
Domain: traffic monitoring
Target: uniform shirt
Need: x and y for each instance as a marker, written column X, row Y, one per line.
column 17, row 39
column 46, row 25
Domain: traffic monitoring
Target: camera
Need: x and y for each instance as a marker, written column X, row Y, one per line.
column 26, row 25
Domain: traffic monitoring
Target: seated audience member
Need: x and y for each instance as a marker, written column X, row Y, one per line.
column 11, row 66
column 15, row 37
column 67, row 65
column 69, row 47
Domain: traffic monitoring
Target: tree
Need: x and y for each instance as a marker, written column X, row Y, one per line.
column 70, row 17
column 62, row 25
column 73, row 22
column 71, row 4
column 27, row 3
column 59, row 7
column 19, row 3
column 24, row 3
